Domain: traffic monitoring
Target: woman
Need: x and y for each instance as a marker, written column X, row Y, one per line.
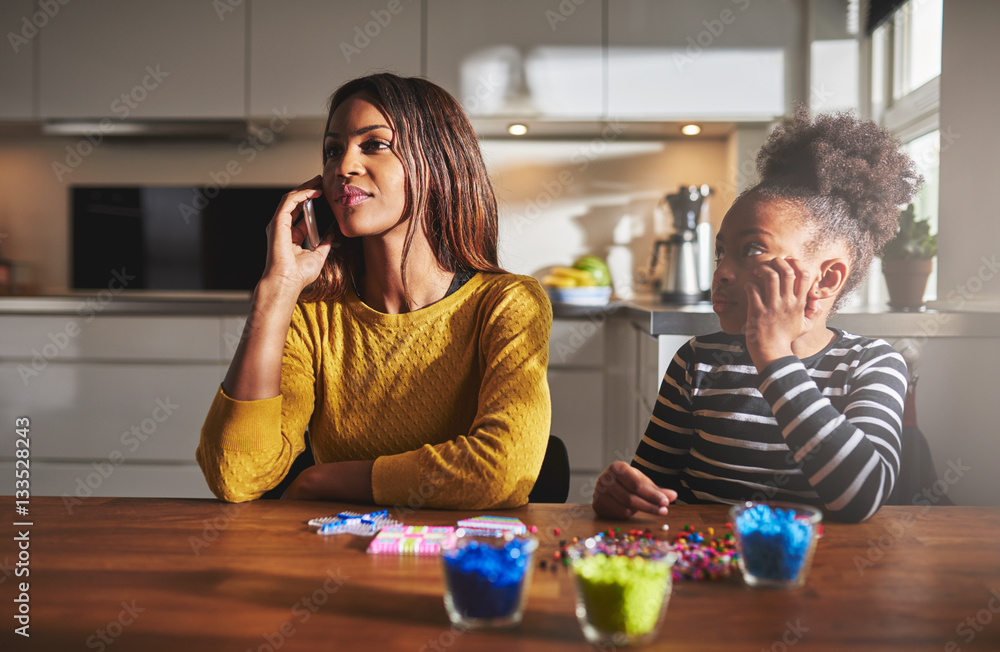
column 417, row 362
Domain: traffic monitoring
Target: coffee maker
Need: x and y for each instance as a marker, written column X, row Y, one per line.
column 684, row 278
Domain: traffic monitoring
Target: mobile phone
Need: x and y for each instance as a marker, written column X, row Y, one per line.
column 312, row 229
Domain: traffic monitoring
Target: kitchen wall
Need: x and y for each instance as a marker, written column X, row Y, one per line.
column 969, row 242
column 559, row 199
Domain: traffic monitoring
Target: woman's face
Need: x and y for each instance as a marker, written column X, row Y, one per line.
column 363, row 179
column 753, row 232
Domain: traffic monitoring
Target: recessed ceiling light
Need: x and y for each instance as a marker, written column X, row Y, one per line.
column 690, row 130
column 517, row 129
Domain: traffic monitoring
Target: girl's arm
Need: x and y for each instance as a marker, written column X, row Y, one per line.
column 663, row 449
column 850, row 458
column 653, row 480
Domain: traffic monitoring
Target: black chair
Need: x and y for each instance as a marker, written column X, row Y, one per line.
column 301, row 463
column 916, row 467
column 552, row 485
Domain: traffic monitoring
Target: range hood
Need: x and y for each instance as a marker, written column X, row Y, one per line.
column 167, row 129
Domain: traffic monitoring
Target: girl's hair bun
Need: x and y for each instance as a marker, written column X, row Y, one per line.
column 853, row 162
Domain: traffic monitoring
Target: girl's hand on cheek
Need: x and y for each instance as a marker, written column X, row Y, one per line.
column 777, row 302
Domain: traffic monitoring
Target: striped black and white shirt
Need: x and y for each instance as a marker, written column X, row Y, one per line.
column 824, row 430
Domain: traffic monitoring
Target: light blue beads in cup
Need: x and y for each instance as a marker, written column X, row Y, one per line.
column 776, row 542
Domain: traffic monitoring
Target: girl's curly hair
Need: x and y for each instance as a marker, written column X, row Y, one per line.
column 849, row 174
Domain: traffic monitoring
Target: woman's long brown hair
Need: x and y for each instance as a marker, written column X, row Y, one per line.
column 448, row 193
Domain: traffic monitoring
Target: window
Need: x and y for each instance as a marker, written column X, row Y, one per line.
column 917, row 48
column 905, row 72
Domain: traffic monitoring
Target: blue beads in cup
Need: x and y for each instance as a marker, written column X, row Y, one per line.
column 486, row 579
column 776, row 542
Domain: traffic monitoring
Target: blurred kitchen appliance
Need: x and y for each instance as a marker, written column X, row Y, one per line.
column 684, row 275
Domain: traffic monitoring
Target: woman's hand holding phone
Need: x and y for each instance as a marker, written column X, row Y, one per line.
column 289, row 262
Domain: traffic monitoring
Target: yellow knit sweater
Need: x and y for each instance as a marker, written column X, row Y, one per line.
column 451, row 401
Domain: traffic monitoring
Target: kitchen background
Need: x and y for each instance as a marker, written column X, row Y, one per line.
column 197, row 93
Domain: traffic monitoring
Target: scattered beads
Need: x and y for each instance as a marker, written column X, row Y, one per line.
column 700, row 560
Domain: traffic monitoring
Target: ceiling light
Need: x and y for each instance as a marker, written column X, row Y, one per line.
column 691, row 130
column 517, row 129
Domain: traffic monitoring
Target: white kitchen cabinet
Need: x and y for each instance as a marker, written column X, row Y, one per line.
column 86, row 336
column 77, row 482
column 637, row 362
column 120, row 396
column 83, row 410
column 578, row 415
column 141, row 59
column 519, row 57
column 711, row 59
column 17, row 61
column 577, row 385
column 302, row 50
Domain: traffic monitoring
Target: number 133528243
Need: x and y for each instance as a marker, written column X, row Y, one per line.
column 22, row 464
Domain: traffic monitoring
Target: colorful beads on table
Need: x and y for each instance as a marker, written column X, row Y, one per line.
column 698, row 558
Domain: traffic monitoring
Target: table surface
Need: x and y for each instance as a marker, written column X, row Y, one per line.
column 171, row 574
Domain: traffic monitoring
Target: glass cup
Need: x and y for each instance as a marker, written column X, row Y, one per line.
column 486, row 579
column 621, row 595
column 776, row 542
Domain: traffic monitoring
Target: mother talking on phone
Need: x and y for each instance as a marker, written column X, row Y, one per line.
column 417, row 363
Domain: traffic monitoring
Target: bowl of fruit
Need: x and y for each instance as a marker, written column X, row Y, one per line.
column 586, row 283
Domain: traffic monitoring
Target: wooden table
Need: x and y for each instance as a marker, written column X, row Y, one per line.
column 184, row 575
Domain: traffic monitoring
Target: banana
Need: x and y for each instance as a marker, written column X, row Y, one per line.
column 559, row 282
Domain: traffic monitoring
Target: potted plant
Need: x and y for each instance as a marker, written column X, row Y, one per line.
column 907, row 261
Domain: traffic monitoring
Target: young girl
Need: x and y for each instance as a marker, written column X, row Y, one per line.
column 418, row 364
column 780, row 406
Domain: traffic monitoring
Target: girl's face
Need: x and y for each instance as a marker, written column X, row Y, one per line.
column 363, row 179
column 754, row 231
